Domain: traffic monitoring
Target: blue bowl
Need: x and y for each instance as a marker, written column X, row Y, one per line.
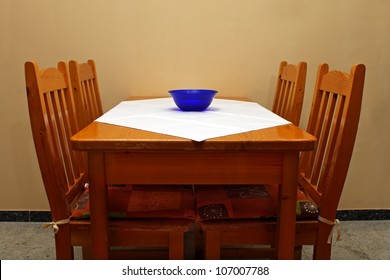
column 193, row 99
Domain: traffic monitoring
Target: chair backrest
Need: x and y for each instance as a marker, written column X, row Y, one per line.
column 334, row 120
column 86, row 91
column 290, row 89
column 53, row 122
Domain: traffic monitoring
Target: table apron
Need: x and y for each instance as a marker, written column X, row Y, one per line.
column 193, row 167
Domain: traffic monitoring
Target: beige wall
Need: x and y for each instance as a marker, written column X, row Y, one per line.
column 145, row 47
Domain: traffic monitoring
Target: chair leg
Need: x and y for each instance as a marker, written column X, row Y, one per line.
column 176, row 245
column 213, row 245
column 198, row 241
column 87, row 252
column 323, row 250
column 298, row 252
column 64, row 250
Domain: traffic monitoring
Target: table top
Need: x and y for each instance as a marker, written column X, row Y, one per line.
column 102, row 136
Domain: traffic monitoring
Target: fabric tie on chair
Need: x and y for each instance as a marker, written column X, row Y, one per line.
column 334, row 224
column 54, row 225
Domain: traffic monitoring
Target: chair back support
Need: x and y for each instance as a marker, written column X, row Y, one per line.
column 290, row 89
column 334, row 119
column 86, row 91
column 53, row 122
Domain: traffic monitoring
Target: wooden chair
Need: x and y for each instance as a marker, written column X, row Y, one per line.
column 64, row 174
column 251, row 210
column 86, row 90
column 290, row 89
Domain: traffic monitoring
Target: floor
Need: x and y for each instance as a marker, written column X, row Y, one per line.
column 360, row 240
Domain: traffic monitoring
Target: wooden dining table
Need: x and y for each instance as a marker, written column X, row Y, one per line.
column 123, row 155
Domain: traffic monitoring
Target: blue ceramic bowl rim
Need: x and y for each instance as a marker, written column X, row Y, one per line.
column 193, row 99
column 193, row 91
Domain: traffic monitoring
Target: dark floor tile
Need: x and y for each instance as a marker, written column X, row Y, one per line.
column 40, row 216
column 363, row 215
column 14, row 216
column 25, row 216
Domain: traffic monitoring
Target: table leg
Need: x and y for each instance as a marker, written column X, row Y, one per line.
column 98, row 204
column 287, row 203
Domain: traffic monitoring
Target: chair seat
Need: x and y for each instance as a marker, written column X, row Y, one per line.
column 246, row 202
column 140, row 202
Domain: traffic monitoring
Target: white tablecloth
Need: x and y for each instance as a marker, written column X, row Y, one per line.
column 223, row 117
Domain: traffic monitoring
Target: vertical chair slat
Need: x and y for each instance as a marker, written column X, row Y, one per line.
column 289, row 91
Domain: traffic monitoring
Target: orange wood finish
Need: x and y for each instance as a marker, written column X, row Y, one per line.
column 86, row 91
column 290, row 90
column 125, row 155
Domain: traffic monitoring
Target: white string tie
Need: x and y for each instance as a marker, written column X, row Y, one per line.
column 54, row 225
column 334, row 224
